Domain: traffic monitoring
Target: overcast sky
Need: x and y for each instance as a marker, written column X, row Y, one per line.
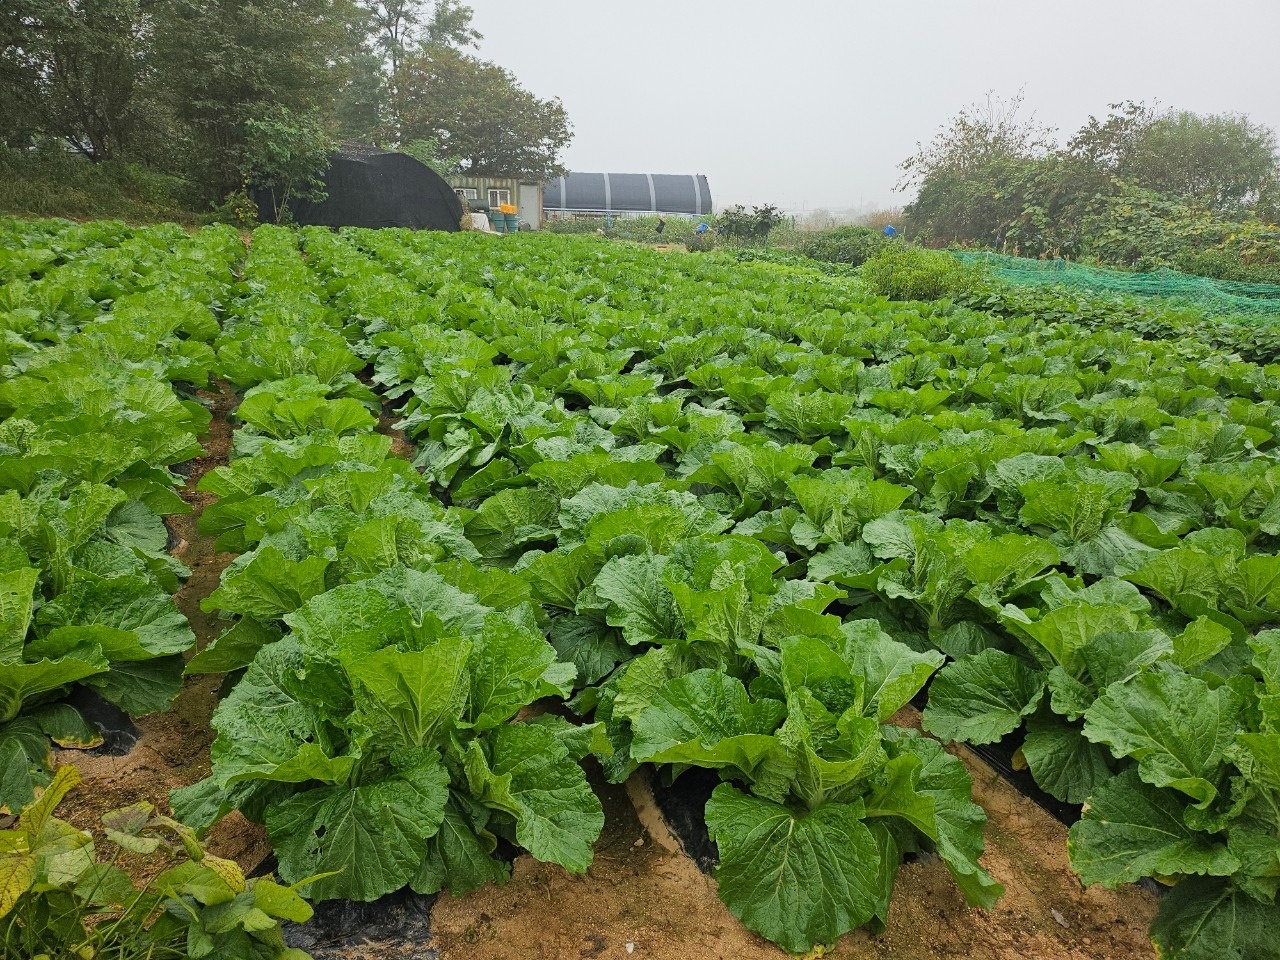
column 813, row 103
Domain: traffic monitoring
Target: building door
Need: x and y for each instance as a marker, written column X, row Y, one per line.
column 531, row 204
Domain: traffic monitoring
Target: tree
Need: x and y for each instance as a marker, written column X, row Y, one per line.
column 736, row 224
column 448, row 24
column 398, row 28
column 71, row 71
column 401, row 26
column 1064, row 188
column 428, row 152
column 286, row 156
column 363, row 96
column 1267, row 209
column 993, row 179
column 393, row 23
column 1222, row 161
column 480, row 116
column 252, row 56
column 1106, row 144
column 1139, row 187
column 966, row 174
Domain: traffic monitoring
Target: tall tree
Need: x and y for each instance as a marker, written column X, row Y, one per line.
column 399, row 28
column 72, row 71
column 1223, row 161
column 252, row 56
column 1107, row 142
column 363, row 98
column 964, row 175
column 480, row 116
column 403, row 25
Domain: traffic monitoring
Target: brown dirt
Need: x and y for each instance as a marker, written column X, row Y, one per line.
column 636, row 892
column 400, row 444
column 173, row 749
column 1044, row 915
column 640, row 892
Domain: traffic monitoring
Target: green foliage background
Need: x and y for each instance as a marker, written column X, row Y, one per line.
column 110, row 109
column 1138, row 188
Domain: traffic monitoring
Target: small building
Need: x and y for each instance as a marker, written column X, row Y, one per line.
column 482, row 192
column 369, row 187
column 627, row 195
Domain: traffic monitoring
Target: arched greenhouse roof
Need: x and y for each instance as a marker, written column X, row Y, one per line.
column 688, row 194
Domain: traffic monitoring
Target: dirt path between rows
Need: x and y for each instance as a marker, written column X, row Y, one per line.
column 641, row 899
column 173, row 749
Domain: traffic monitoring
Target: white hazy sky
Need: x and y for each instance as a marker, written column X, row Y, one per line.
column 813, row 103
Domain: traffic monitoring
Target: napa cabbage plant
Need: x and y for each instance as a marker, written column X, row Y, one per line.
column 375, row 743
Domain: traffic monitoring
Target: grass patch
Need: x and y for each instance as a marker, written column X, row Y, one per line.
column 53, row 183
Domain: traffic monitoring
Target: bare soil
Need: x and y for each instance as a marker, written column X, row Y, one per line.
column 400, row 444
column 173, row 749
column 641, row 892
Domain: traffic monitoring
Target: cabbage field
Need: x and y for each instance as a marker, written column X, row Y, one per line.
column 504, row 511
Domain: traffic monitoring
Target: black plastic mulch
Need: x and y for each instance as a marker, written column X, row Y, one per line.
column 395, row 926
column 119, row 734
column 683, row 805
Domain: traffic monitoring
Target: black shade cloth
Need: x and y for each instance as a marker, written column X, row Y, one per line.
column 375, row 188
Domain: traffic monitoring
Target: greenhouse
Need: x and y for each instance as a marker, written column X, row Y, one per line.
column 627, row 194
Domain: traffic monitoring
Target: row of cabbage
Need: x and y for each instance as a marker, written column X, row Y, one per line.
column 370, row 728
column 1083, row 523
column 755, row 512
column 104, row 336
column 373, row 738
column 30, row 249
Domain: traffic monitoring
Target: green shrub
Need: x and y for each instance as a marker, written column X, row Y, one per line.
column 1142, row 230
column 238, row 209
column 736, row 224
column 678, row 230
column 576, row 225
column 58, row 902
column 1220, row 264
column 900, row 271
column 851, row 245
column 54, row 183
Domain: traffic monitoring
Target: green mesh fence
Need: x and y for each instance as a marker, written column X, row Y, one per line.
column 1214, row 296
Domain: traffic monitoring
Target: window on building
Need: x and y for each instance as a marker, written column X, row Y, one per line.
column 497, row 197
column 466, row 193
